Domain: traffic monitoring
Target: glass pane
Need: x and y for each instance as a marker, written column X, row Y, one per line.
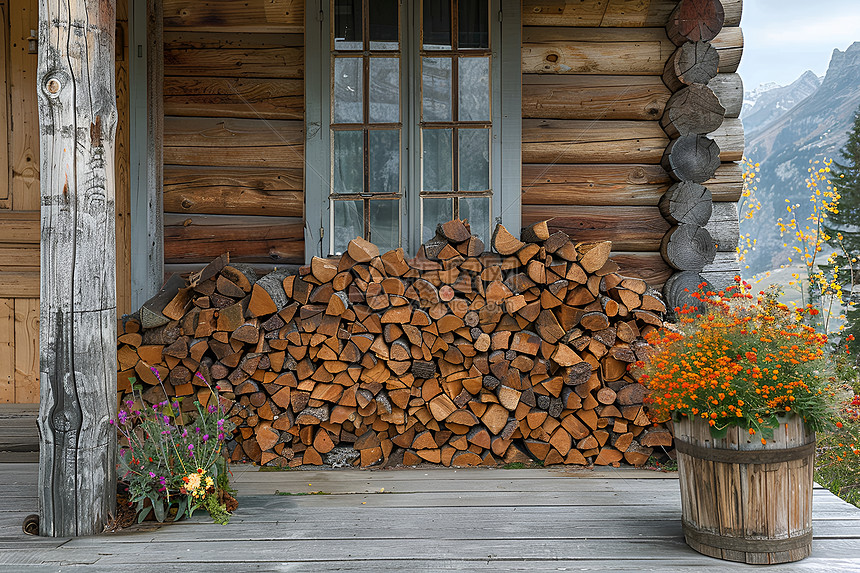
column 348, row 161
column 437, row 25
column 347, row 106
column 474, row 80
column 436, row 89
column 437, row 160
column 474, row 155
column 348, row 223
column 434, row 211
column 383, row 24
column 384, row 90
column 384, row 159
column 473, row 24
column 477, row 211
column 347, row 25
column 385, row 224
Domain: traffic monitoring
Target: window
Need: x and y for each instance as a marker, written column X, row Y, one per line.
column 408, row 122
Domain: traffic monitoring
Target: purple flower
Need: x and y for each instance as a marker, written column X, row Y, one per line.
column 111, row 422
column 162, row 481
column 190, row 446
column 221, row 423
column 212, row 408
column 205, row 437
column 166, row 419
column 129, row 404
column 175, row 405
column 123, row 417
column 152, row 474
column 221, row 436
column 156, row 372
column 197, row 429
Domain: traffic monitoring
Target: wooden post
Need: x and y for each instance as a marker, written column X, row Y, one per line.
column 77, row 123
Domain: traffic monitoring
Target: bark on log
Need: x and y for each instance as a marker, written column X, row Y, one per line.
column 77, row 123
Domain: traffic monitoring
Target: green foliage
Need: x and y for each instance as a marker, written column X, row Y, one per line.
column 173, row 460
column 838, row 459
column 843, row 231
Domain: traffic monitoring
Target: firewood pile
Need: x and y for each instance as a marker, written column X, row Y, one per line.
column 457, row 356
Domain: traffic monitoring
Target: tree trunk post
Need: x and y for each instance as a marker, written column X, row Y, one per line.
column 77, row 341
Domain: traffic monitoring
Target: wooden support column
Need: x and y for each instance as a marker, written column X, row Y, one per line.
column 77, row 124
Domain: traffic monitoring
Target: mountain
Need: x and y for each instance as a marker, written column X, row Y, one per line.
column 810, row 130
column 769, row 102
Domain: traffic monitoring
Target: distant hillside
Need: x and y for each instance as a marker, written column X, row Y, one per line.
column 763, row 108
column 784, row 144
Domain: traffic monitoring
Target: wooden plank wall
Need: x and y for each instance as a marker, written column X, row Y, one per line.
column 20, row 197
column 233, row 132
column 592, row 142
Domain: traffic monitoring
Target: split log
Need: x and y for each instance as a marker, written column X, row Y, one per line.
column 692, row 63
column 693, row 110
column 688, row 247
column 692, row 158
column 695, row 21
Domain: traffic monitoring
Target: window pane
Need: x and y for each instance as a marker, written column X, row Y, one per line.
column 434, row 211
column 348, row 223
column 348, row 161
column 383, row 24
column 477, row 211
column 347, row 106
column 474, row 80
column 384, row 90
column 437, row 25
column 436, row 89
column 474, row 159
column 384, row 159
column 473, row 24
column 347, row 25
column 385, row 224
column 437, row 160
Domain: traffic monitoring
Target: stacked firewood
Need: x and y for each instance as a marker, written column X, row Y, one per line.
column 457, row 356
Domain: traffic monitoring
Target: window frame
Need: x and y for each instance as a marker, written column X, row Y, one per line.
column 506, row 119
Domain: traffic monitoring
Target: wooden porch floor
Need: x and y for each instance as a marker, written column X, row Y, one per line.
column 417, row 520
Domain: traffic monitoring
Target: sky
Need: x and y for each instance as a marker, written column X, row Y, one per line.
column 784, row 38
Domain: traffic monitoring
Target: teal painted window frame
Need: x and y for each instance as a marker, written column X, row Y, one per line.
column 506, row 86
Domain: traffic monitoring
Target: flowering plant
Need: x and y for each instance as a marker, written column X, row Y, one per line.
column 739, row 360
column 172, row 458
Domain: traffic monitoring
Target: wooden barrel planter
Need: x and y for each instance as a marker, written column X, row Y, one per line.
column 745, row 501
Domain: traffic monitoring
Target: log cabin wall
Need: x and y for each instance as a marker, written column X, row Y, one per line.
column 233, row 132
column 593, row 97
column 19, row 196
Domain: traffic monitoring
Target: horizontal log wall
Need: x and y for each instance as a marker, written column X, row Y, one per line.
column 592, row 144
column 233, row 132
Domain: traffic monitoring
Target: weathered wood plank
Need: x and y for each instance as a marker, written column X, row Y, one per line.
column 122, row 168
column 581, row 141
column 19, row 283
column 724, row 226
column 240, row 142
column 730, row 89
column 24, row 131
column 26, row 350
column 614, row 184
column 201, row 238
column 730, row 137
column 6, row 181
column 7, row 349
column 78, row 288
column 240, row 191
column 611, row 13
column 19, row 227
column 277, row 62
column 619, row 51
column 18, row 256
column 257, row 15
column 629, row 229
column 649, row 266
column 593, row 97
column 234, row 97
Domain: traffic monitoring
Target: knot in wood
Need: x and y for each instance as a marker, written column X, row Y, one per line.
column 53, row 86
column 552, row 58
